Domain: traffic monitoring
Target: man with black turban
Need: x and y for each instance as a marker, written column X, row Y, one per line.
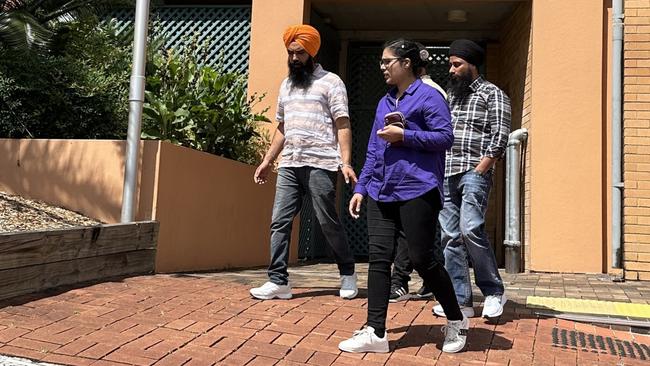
column 316, row 142
column 480, row 114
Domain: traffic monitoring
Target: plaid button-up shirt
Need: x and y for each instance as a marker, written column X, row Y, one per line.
column 481, row 122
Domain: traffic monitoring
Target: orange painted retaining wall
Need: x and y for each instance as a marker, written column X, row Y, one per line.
column 212, row 216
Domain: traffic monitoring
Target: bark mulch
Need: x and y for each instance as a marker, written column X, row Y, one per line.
column 21, row 214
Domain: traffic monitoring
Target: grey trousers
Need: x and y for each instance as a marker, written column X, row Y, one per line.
column 292, row 184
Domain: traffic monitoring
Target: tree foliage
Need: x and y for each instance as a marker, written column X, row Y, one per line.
column 33, row 25
column 79, row 91
column 65, row 74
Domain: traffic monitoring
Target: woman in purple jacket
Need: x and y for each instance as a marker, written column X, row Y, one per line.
column 403, row 178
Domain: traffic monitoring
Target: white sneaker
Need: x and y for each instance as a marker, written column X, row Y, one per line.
column 468, row 311
column 493, row 306
column 455, row 335
column 349, row 287
column 270, row 291
column 365, row 340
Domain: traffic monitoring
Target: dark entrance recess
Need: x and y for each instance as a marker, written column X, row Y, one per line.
column 365, row 85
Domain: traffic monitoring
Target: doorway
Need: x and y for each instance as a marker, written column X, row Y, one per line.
column 366, row 86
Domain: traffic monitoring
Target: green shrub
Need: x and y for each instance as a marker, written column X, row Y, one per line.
column 79, row 90
column 203, row 108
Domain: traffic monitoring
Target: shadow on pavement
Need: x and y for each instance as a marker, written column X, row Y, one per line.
column 478, row 339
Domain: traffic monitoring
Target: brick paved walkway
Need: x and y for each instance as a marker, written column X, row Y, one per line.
column 207, row 319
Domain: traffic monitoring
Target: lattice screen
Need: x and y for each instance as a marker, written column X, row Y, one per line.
column 438, row 67
column 225, row 28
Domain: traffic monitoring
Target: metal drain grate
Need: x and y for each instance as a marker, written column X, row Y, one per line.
column 564, row 338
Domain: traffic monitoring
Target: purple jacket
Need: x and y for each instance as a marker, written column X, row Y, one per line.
column 400, row 172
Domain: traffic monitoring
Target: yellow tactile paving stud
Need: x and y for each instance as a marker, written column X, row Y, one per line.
column 580, row 306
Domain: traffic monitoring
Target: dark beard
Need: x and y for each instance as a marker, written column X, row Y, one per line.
column 459, row 86
column 301, row 75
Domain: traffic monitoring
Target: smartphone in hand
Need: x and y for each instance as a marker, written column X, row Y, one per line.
column 395, row 119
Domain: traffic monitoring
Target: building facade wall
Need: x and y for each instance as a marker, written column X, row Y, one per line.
column 566, row 163
column 516, row 52
column 636, row 121
column 566, row 212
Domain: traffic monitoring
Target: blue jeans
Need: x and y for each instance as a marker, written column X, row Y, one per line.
column 462, row 220
column 292, row 185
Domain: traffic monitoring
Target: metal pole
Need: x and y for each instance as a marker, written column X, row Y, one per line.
column 512, row 241
column 617, row 177
column 136, row 99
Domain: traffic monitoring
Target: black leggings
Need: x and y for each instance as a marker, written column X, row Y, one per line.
column 417, row 218
column 402, row 267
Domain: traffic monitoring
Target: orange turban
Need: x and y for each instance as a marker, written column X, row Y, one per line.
column 305, row 35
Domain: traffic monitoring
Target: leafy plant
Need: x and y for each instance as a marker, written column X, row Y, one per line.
column 203, row 108
column 76, row 86
column 79, row 92
column 34, row 24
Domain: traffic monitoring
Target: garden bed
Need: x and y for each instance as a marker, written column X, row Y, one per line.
column 22, row 214
column 44, row 247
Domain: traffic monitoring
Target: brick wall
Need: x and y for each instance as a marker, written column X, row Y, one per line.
column 636, row 121
column 515, row 79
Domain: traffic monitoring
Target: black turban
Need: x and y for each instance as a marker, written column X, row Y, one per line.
column 468, row 51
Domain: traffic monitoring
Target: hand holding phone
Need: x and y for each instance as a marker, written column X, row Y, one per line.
column 395, row 119
column 394, row 126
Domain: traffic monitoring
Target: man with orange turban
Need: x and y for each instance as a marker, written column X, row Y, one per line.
column 305, row 35
column 315, row 139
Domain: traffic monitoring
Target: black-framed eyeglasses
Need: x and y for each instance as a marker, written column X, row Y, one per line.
column 386, row 62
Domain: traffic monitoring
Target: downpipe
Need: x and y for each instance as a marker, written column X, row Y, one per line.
column 512, row 240
column 617, row 176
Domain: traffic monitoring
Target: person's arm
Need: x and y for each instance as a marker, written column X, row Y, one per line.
column 369, row 164
column 277, row 143
column 338, row 104
column 344, row 134
column 499, row 115
column 439, row 135
column 485, row 164
column 360, row 190
column 263, row 170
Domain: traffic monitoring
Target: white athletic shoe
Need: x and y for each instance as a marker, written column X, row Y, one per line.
column 493, row 306
column 270, row 291
column 468, row 311
column 455, row 335
column 365, row 340
column 349, row 287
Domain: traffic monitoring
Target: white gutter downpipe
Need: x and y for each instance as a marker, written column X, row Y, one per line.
column 136, row 100
column 512, row 241
column 617, row 90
